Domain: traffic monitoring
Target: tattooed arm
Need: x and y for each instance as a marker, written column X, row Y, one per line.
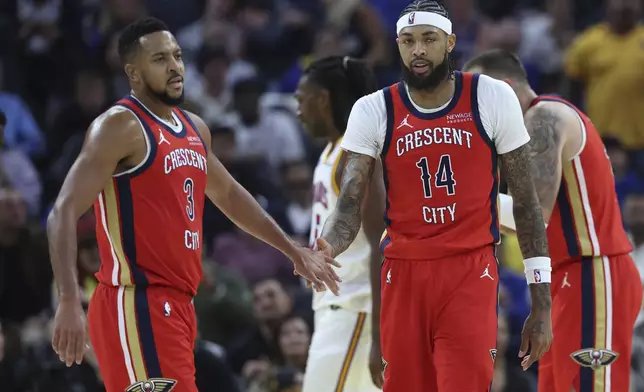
column 531, row 230
column 546, row 149
column 343, row 224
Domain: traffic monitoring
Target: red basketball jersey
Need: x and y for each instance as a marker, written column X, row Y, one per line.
column 441, row 176
column 586, row 220
column 149, row 219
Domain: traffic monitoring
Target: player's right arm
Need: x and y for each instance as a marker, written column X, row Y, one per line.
column 111, row 139
column 362, row 142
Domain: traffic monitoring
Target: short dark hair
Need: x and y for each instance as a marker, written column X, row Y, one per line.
column 132, row 33
column 499, row 62
column 426, row 6
column 346, row 79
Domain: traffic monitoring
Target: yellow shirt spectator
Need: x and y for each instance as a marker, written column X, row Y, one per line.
column 611, row 66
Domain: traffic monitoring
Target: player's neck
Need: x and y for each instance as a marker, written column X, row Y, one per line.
column 435, row 98
column 154, row 105
column 526, row 95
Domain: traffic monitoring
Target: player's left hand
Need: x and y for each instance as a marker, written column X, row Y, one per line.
column 376, row 366
column 316, row 267
column 535, row 337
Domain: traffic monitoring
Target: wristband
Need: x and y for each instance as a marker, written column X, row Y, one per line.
column 538, row 270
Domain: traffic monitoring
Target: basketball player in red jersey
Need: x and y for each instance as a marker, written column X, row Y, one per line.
column 442, row 136
column 593, row 276
column 149, row 167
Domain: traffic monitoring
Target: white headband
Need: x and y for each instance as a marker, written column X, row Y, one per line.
column 422, row 18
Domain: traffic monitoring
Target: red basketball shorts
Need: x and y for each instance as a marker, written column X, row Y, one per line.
column 143, row 336
column 438, row 323
column 594, row 307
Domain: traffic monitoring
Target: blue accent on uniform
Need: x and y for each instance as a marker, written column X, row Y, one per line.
column 146, row 334
column 194, row 128
column 494, row 194
column 458, row 89
column 384, row 244
column 151, row 138
column 144, row 323
column 567, row 221
column 587, row 321
column 159, row 123
column 389, row 105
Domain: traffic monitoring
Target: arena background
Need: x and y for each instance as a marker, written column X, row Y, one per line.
column 59, row 69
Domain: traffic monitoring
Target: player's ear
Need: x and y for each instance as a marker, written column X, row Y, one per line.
column 451, row 42
column 132, row 73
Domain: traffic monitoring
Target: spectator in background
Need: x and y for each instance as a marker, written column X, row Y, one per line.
column 39, row 34
column 364, row 34
column 19, row 173
column 25, row 276
column 214, row 94
column 211, row 370
column 607, row 59
column 293, row 338
column 634, row 219
column 21, row 131
column 263, row 133
column 252, row 354
column 296, row 179
column 626, row 179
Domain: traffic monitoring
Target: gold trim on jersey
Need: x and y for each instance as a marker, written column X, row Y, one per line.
column 353, row 345
column 580, row 220
column 112, row 218
column 601, row 314
column 132, row 331
column 334, row 182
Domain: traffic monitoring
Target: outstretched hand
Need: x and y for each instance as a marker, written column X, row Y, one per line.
column 316, row 266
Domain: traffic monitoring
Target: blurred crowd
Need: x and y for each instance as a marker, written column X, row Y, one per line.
column 59, row 69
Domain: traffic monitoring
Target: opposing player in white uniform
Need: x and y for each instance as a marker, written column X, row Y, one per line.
column 339, row 357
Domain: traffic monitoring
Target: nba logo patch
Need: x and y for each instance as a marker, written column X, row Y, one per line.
column 537, row 276
column 411, row 18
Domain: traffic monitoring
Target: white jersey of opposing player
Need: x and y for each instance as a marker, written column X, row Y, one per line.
column 355, row 289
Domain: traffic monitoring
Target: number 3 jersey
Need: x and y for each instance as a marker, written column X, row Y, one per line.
column 355, row 293
column 440, row 167
column 149, row 218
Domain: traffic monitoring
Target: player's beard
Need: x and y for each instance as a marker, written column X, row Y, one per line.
column 168, row 100
column 437, row 74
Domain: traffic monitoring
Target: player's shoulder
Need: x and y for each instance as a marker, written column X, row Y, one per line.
column 371, row 103
column 116, row 122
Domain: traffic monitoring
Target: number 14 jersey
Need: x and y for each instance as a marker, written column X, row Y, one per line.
column 149, row 218
column 441, row 167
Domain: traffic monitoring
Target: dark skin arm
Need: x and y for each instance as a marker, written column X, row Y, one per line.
column 342, row 227
column 531, row 234
column 242, row 208
column 374, row 225
column 114, row 139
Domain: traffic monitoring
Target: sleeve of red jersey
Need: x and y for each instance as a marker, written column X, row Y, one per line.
column 501, row 114
column 367, row 125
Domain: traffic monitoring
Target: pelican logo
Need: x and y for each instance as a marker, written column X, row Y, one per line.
column 594, row 358
column 411, row 18
column 153, row 385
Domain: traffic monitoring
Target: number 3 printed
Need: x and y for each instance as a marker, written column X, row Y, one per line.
column 444, row 177
column 189, row 189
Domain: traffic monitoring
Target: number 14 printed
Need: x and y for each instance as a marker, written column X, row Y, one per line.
column 444, row 177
